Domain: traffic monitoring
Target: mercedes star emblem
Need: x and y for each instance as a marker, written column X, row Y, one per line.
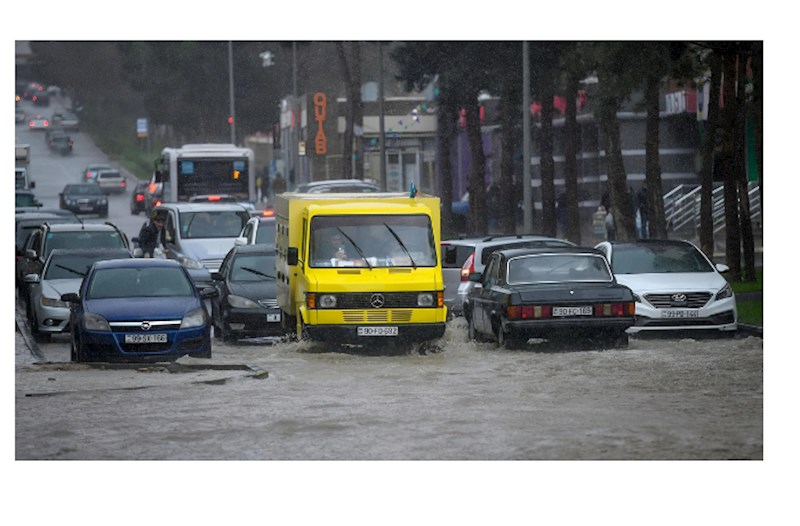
column 376, row 300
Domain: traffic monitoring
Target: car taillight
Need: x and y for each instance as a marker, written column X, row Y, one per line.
column 123, row 184
column 152, row 188
column 139, row 198
column 529, row 312
column 268, row 212
column 615, row 309
column 468, row 267
column 214, row 198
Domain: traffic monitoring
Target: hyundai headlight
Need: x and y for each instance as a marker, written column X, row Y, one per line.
column 189, row 262
column 195, row 318
column 327, row 301
column 725, row 292
column 95, row 322
column 425, row 299
column 53, row 302
column 241, row 303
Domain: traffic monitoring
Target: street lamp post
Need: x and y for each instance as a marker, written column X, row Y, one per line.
column 232, row 117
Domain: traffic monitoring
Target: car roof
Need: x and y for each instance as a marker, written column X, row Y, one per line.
column 516, row 252
column 652, row 242
column 137, row 263
column 91, row 251
column 254, row 249
column 90, row 227
column 500, row 238
column 201, row 207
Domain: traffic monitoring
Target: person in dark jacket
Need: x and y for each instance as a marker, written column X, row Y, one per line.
column 151, row 236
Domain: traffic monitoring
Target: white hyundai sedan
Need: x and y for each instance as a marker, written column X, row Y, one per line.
column 675, row 286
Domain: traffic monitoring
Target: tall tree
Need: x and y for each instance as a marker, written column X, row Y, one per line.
column 545, row 56
column 733, row 253
column 740, row 151
column 709, row 148
column 349, row 54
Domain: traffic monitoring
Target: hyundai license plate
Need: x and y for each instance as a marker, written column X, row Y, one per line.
column 377, row 331
column 679, row 313
column 572, row 311
column 146, row 338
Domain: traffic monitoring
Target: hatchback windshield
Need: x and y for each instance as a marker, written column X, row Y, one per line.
column 258, row 267
column 548, row 268
column 372, row 241
column 138, row 283
column 643, row 259
column 69, row 267
column 83, row 239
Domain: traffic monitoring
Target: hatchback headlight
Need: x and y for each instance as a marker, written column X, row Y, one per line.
column 195, row 318
column 53, row 302
column 327, row 301
column 425, row 299
column 95, row 322
column 725, row 292
column 103, row 201
column 241, row 303
column 189, row 262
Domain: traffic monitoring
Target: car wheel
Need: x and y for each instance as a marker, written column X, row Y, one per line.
column 618, row 340
column 39, row 336
column 507, row 342
column 472, row 333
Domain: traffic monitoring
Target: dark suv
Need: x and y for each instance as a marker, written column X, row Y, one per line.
column 63, row 235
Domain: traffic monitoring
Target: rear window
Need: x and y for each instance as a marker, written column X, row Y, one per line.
column 265, row 235
column 109, row 175
column 454, row 256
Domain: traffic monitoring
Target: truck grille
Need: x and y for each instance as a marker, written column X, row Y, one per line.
column 377, row 316
column 391, row 300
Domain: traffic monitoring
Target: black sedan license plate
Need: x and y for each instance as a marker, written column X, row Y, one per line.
column 572, row 311
column 377, row 331
column 146, row 338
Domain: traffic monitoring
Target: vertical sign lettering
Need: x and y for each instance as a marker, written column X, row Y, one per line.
column 320, row 107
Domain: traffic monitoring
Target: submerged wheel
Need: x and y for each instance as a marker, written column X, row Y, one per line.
column 472, row 333
column 507, row 342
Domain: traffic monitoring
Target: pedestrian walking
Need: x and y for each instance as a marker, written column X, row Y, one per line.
column 279, row 184
column 611, row 226
column 599, row 224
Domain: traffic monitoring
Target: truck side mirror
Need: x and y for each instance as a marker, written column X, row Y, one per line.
column 291, row 256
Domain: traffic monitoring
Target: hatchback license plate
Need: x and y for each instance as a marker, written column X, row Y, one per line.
column 572, row 311
column 273, row 317
column 146, row 338
column 679, row 313
column 377, row 331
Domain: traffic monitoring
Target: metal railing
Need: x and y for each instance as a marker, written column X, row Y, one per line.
column 682, row 206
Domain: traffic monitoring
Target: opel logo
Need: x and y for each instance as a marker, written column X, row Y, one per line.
column 145, row 325
column 376, row 300
column 678, row 298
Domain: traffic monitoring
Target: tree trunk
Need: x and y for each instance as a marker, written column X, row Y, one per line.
column 740, row 161
column 570, row 162
column 445, row 116
column 758, row 113
column 621, row 205
column 733, row 253
column 654, row 210
column 546, row 165
column 358, row 112
column 509, row 115
column 477, row 224
column 709, row 146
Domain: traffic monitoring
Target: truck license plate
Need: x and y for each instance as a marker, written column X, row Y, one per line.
column 679, row 313
column 146, row 338
column 572, row 311
column 377, row 331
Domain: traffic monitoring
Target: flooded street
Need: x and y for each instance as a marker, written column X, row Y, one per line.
column 659, row 399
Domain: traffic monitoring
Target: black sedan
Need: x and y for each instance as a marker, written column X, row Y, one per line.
column 138, row 197
column 83, row 199
column 246, row 305
column 564, row 293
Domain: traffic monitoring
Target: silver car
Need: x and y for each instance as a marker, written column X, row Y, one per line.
column 462, row 257
column 63, row 272
column 110, row 181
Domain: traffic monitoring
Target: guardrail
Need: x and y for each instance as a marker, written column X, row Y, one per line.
column 682, row 206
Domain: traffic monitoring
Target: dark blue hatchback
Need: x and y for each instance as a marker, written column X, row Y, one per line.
column 140, row 310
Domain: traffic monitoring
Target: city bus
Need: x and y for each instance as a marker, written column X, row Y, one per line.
column 202, row 169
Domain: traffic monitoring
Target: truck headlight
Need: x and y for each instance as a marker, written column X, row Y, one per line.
column 425, row 299
column 95, row 322
column 242, row 303
column 327, row 301
column 189, row 262
column 195, row 318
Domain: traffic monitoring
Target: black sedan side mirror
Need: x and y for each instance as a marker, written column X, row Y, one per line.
column 71, row 297
column 209, row 292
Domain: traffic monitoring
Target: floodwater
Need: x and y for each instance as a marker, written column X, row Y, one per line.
column 658, row 399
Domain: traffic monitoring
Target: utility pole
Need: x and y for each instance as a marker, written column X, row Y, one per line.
column 232, row 117
column 381, row 121
column 527, row 204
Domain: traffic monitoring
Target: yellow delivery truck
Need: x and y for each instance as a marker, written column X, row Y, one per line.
column 360, row 268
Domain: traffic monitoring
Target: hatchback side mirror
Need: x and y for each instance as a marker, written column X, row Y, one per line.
column 209, row 292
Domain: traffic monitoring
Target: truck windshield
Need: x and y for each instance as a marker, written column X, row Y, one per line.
column 372, row 241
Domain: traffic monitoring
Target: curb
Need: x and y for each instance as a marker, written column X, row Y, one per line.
column 750, row 330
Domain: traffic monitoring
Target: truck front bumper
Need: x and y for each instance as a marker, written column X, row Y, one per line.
column 350, row 334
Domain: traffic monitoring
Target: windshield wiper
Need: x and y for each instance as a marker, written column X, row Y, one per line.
column 258, row 272
column 360, row 253
column 400, row 242
column 78, row 272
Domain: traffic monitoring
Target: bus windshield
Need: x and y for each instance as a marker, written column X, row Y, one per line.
column 212, row 176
